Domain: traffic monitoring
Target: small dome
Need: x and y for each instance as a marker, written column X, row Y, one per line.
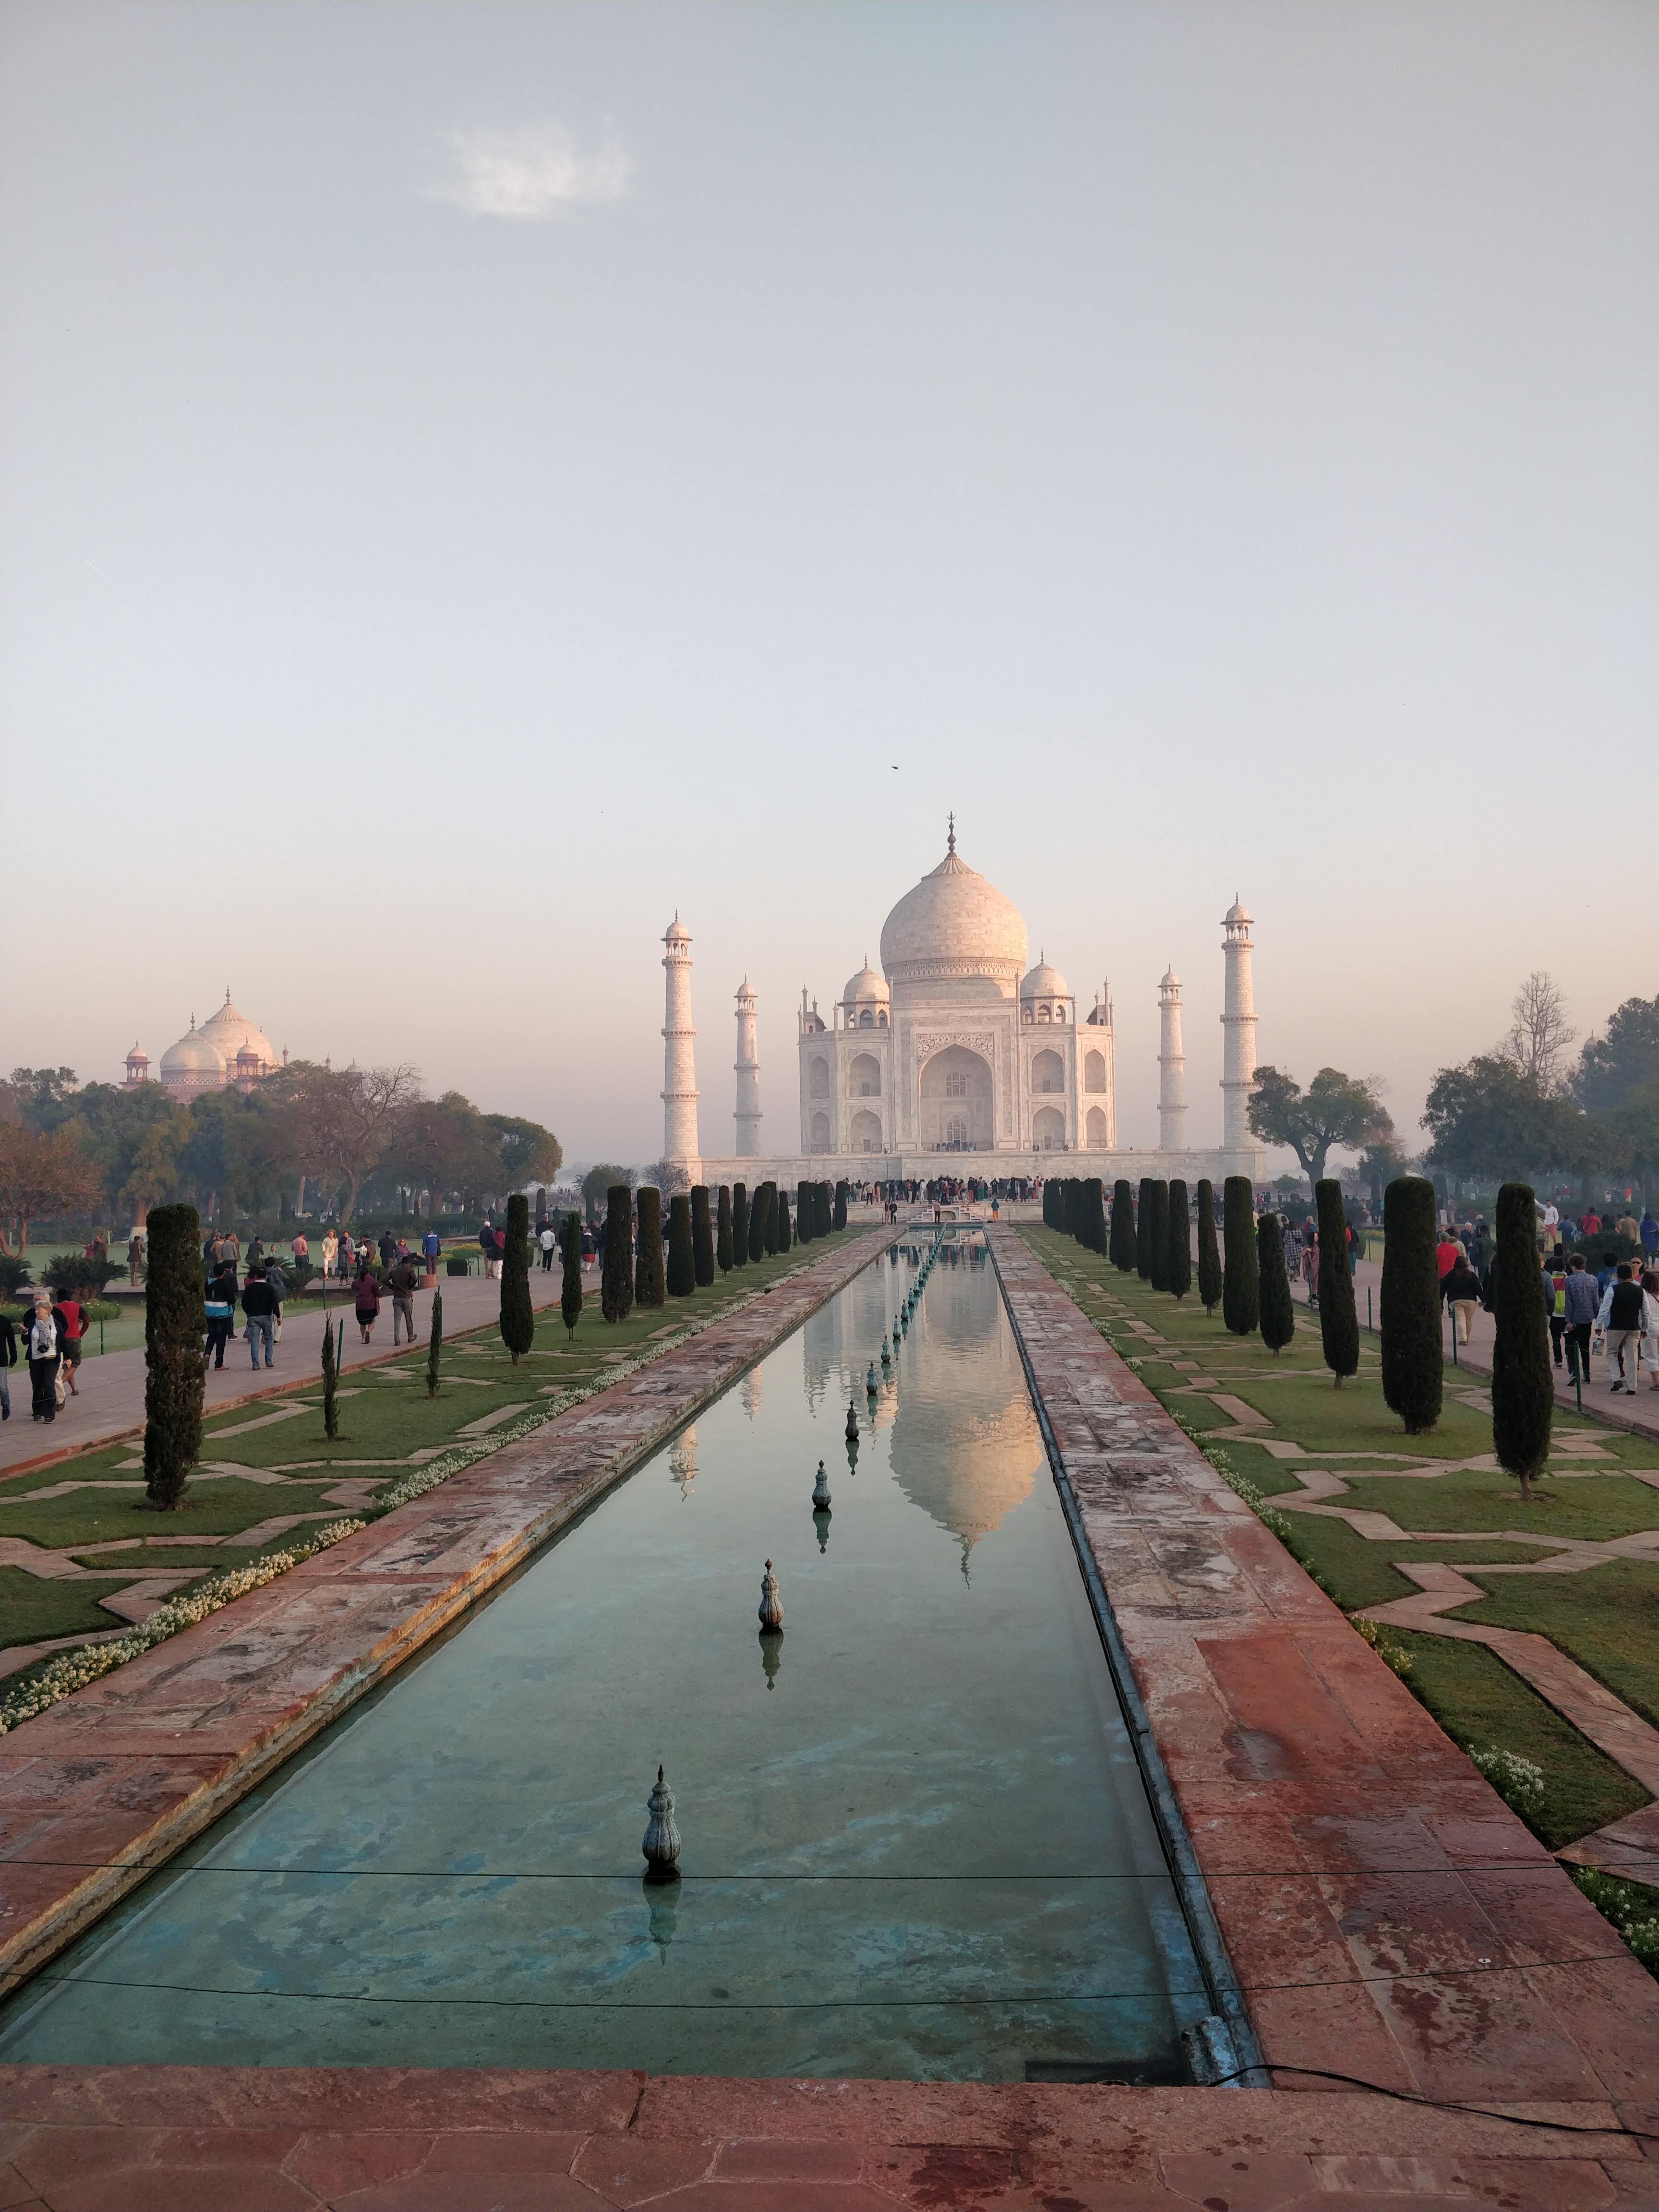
column 1044, row 983
column 137, row 1057
column 1237, row 912
column 677, row 932
column 746, row 993
column 1169, row 981
column 867, row 987
column 195, row 1054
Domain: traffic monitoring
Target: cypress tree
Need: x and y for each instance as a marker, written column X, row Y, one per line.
column 1241, row 1285
column 1278, row 1314
column 703, row 1238
column 739, row 1226
column 617, row 1271
column 822, row 1219
column 434, row 1344
column 1123, row 1228
column 758, row 1223
column 175, row 1357
column 682, row 1269
column 1339, row 1326
column 804, row 1231
column 570, row 1287
column 771, row 1237
column 1144, row 1231
column 1209, row 1260
column 1048, row 1203
column 1178, row 1259
column 1523, row 1396
column 647, row 1266
column 784, row 1237
column 840, row 1218
column 723, row 1234
column 331, row 1378
column 1157, row 1236
column 517, row 1315
column 1410, row 1320
column 1094, row 1214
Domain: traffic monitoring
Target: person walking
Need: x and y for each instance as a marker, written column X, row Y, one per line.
column 43, row 1359
column 278, row 1282
column 388, row 1248
column 366, row 1299
column 73, row 1319
column 259, row 1304
column 135, row 1258
column 1555, row 1301
column 221, row 1308
column 547, row 1241
column 403, row 1282
column 1580, row 1302
column 1619, row 1318
column 1648, row 1231
column 1459, row 1287
column 7, row 1361
column 1650, row 1325
column 331, row 1255
column 431, row 1245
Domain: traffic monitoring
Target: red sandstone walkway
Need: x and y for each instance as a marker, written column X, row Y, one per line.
column 111, row 1400
column 254, row 2139
column 112, row 1781
column 1389, row 1918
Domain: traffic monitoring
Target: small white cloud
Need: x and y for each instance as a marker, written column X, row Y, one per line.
column 541, row 174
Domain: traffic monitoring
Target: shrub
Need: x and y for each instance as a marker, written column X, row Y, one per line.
column 72, row 1276
column 682, row 1271
column 1518, row 1781
column 1158, row 1234
column 760, row 1231
column 518, row 1314
column 703, row 1238
column 804, row 1228
column 1523, row 1396
column 1178, row 1243
column 723, row 1239
column 647, row 1266
column 1338, row 1327
column 1123, row 1243
column 617, row 1268
column 739, row 1226
column 570, row 1283
column 175, row 1357
column 1409, row 1323
column 1144, row 1231
column 1209, row 1259
column 1277, row 1313
column 14, row 1274
column 1241, row 1277
column 456, row 1265
column 434, row 1344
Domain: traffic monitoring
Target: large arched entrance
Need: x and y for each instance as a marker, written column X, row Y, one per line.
column 958, row 1102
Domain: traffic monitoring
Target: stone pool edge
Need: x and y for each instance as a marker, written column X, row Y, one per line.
column 103, row 1788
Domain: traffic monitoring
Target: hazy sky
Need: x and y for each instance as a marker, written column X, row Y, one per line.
column 475, row 479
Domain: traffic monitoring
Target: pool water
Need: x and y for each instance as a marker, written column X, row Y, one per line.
column 916, row 1840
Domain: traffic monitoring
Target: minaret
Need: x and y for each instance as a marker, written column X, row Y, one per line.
column 1104, row 1041
column 1171, row 1068
column 748, row 1115
column 1238, row 1029
column 679, row 1072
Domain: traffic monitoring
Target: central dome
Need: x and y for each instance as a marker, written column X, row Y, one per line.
column 955, row 926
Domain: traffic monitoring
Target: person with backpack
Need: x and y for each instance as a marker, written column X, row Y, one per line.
column 221, row 1308
column 43, row 1340
column 1619, row 1318
column 259, row 1304
column 431, row 1245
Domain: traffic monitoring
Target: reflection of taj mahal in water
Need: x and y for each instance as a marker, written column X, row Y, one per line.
column 955, row 1058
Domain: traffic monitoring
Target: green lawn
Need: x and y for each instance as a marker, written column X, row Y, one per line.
column 385, row 1415
column 1602, row 1617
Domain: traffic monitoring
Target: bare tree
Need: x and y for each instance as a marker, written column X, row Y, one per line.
column 1540, row 1032
column 347, row 1121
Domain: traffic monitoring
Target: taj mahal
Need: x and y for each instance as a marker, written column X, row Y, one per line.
column 954, row 1046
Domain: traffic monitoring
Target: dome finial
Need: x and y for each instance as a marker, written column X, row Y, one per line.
column 950, row 836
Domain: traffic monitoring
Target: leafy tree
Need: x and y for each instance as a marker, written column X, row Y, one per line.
column 1158, row 1234
column 682, row 1269
column 434, row 1344
column 598, row 1184
column 771, row 1233
column 785, row 1235
column 1144, row 1231
column 1523, row 1395
column 1339, row 1327
column 1334, row 1109
column 806, row 1227
column 1178, row 1243
column 1122, row 1246
column 648, row 1277
column 822, row 1211
column 1277, row 1313
column 702, row 1239
column 570, row 1283
column 723, row 1236
column 617, row 1271
column 1241, row 1282
column 739, row 1226
column 525, row 1152
column 41, row 1178
column 41, row 1098
column 1610, row 1068
column 1209, row 1259
column 1410, row 1320
column 1490, row 1118
column 518, row 1313
column 441, row 1145
column 175, row 1362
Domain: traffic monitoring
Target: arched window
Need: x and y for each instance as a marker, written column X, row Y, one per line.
column 1094, row 1072
column 866, row 1132
column 1043, row 1015
column 864, row 1077
column 881, row 1018
column 817, row 1079
column 1048, row 1072
column 956, row 1130
column 1027, row 1012
column 956, row 1085
column 1097, row 1130
column 867, row 1019
column 820, row 1133
column 1048, row 1129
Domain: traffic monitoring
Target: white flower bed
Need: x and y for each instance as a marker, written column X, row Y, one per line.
column 1519, row 1782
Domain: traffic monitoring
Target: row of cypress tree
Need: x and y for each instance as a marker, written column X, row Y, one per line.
column 743, row 1225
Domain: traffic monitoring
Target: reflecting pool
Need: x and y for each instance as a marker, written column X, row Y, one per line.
column 916, row 1839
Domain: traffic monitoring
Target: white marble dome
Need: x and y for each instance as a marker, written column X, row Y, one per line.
column 955, row 924
column 866, row 987
column 231, row 1033
column 1045, row 982
column 194, row 1065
